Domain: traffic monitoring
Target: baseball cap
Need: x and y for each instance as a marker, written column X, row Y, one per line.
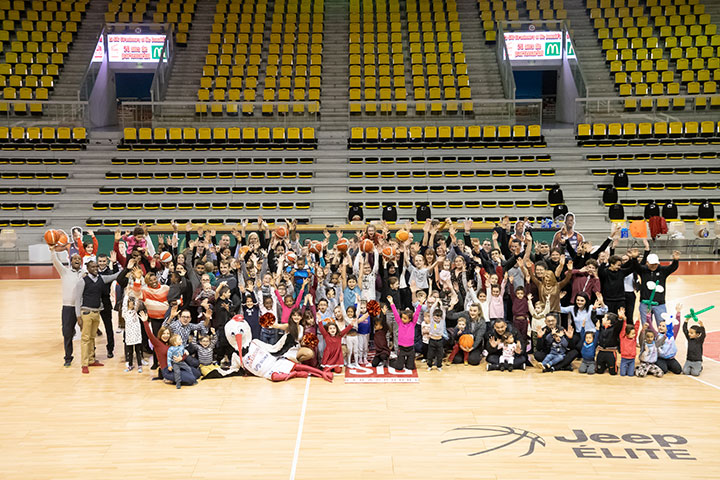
column 653, row 259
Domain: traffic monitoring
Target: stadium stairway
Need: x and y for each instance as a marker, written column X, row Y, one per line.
column 334, row 94
column 483, row 69
column 577, row 184
column 588, row 50
column 189, row 61
column 76, row 63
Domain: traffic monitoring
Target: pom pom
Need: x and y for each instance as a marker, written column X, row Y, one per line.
column 309, row 340
column 373, row 308
column 267, row 320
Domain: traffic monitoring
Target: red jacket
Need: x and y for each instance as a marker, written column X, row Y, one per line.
column 628, row 346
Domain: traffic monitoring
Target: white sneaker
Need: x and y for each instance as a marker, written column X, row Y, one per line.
column 439, row 369
column 144, row 362
column 429, row 369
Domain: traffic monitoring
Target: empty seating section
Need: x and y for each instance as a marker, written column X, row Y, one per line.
column 35, row 38
column 437, row 56
column 232, row 64
column 125, row 11
column 294, row 60
column 546, row 9
column 377, row 58
column 691, row 39
column 42, row 138
column 641, row 134
column 488, row 136
column 218, row 138
column 664, row 184
column 178, row 13
column 492, row 11
column 377, row 62
column 238, row 183
column 658, row 47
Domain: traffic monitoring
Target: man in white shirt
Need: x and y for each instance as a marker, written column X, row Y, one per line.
column 69, row 277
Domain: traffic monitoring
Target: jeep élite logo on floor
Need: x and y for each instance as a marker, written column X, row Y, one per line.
column 629, row 446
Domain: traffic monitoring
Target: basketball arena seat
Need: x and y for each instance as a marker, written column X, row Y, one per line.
column 683, row 59
column 25, row 206
column 219, row 138
column 36, row 37
column 546, row 9
column 658, row 133
column 234, row 58
column 178, row 13
column 212, row 161
column 507, row 136
column 450, row 173
column 377, row 66
column 33, row 175
column 43, row 138
column 36, row 161
column 450, row 159
column 492, row 11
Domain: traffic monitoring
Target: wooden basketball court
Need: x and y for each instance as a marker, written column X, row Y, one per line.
column 463, row 423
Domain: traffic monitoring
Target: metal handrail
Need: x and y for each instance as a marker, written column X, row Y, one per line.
column 503, row 59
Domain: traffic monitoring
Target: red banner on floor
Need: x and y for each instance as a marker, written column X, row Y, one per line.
column 380, row 374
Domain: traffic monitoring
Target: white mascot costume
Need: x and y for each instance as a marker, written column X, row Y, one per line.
column 261, row 359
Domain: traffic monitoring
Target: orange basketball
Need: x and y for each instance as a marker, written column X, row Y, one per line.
column 52, row 237
column 466, row 341
column 388, row 252
column 342, row 244
column 367, row 246
column 402, row 235
column 281, row 232
column 63, row 239
column 291, row 257
column 315, row 247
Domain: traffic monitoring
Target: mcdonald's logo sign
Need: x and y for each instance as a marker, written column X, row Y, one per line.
column 552, row 49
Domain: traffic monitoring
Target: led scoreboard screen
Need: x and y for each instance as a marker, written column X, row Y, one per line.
column 536, row 46
column 124, row 48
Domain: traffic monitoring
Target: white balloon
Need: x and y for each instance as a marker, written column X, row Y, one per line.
column 659, row 289
column 650, row 284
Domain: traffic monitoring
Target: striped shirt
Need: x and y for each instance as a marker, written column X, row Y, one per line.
column 205, row 355
column 155, row 299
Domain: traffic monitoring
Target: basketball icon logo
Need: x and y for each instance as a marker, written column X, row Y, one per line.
column 482, row 439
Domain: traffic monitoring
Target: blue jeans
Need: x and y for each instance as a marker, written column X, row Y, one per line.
column 656, row 311
column 553, row 359
column 177, row 369
column 627, row 367
column 268, row 335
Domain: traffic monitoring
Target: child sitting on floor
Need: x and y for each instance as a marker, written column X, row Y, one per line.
column 648, row 356
column 455, row 334
column 175, row 361
column 587, row 352
column 558, row 349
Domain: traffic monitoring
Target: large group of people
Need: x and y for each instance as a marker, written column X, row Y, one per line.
column 261, row 301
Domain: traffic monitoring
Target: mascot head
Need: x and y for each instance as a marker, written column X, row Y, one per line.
column 238, row 326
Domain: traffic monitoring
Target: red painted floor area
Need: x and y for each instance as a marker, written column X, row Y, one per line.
column 711, row 347
column 37, row 272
